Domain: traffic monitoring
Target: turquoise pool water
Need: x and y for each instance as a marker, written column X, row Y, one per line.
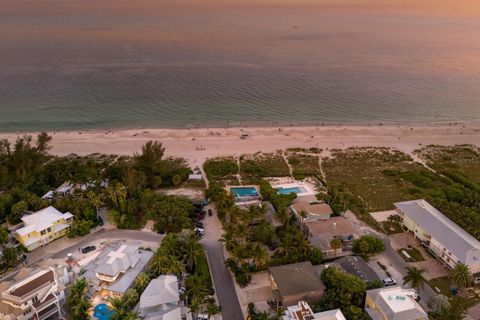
column 102, row 312
column 296, row 190
column 239, row 192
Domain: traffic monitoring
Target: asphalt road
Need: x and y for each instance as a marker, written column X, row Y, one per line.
column 112, row 234
column 225, row 290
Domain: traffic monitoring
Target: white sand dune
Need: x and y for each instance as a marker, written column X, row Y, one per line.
column 196, row 145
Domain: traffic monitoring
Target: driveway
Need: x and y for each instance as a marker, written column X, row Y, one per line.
column 433, row 267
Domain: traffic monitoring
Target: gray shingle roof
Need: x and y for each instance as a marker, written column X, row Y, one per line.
column 296, row 278
column 358, row 267
column 460, row 243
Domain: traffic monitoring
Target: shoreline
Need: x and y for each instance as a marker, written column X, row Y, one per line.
column 198, row 144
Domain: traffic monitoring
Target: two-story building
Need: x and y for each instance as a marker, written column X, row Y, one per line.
column 393, row 303
column 115, row 269
column 302, row 311
column 445, row 239
column 37, row 296
column 42, row 227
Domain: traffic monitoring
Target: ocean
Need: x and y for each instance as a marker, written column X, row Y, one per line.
column 91, row 64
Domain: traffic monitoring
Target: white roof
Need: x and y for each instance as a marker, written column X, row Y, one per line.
column 397, row 303
column 459, row 242
column 162, row 290
column 41, row 220
column 335, row 314
column 117, row 259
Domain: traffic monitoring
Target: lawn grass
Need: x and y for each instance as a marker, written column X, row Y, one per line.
column 372, row 174
column 202, row 270
column 414, row 253
column 303, row 164
column 444, row 284
column 264, row 165
column 391, row 227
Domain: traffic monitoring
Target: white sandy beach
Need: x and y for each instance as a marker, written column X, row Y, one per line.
column 196, row 145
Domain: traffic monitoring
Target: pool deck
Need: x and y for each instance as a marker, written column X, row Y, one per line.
column 299, row 184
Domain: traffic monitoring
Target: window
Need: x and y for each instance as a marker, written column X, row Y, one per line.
column 34, row 299
column 49, row 229
column 27, row 312
column 43, row 232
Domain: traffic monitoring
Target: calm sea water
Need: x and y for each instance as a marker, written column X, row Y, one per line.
column 76, row 64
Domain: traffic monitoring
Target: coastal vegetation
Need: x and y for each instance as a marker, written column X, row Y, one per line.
column 221, row 169
column 263, row 165
column 303, row 163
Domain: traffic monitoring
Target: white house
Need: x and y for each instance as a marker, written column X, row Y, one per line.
column 450, row 243
column 393, row 303
column 161, row 299
column 116, row 267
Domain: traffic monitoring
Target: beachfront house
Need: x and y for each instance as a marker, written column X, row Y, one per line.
column 306, row 211
column 38, row 295
column 161, row 299
column 295, row 282
column 116, row 267
column 445, row 239
column 391, row 303
column 42, row 227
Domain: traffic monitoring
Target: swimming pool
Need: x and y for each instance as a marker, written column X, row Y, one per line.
column 240, row 192
column 289, row 190
column 102, row 312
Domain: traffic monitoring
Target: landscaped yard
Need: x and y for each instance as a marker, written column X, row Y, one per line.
column 444, row 284
column 414, row 254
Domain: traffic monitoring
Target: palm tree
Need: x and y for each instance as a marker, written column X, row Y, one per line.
column 229, row 240
column 94, row 200
column 130, row 298
column 213, row 309
column 170, row 245
column 193, row 251
column 336, row 244
column 196, row 288
column 162, row 264
column 462, row 276
column 142, row 282
column 415, row 277
column 259, row 255
column 80, row 309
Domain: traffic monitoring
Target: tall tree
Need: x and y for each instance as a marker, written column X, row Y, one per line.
column 415, row 277
column 462, row 276
column 336, row 244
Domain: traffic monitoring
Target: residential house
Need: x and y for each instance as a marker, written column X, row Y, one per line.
column 38, row 296
column 116, row 267
column 393, row 303
column 302, row 311
column 321, row 233
column 161, row 299
column 295, row 282
column 42, row 227
column 445, row 239
column 311, row 211
column 356, row 266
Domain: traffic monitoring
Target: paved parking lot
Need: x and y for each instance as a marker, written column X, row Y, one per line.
column 433, row 267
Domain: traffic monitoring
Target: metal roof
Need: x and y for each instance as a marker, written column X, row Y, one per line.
column 459, row 242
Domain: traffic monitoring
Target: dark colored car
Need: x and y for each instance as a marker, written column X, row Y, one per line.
column 209, row 212
column 88, row 249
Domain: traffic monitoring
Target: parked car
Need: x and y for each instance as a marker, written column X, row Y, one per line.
column 88, row 249
column 209, row 212
column 389, row 282
column 199, row 231
column 161, row 231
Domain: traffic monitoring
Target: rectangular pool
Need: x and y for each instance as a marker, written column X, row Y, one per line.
column 289, row 190
column 240, row 192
